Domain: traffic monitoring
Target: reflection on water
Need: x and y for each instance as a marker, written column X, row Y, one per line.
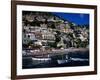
column 62, row 60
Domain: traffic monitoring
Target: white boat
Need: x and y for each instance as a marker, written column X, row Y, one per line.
column 79, row 59
column 62, row 61
column 41, row 59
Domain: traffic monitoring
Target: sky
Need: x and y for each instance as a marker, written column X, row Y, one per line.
column 77, row 18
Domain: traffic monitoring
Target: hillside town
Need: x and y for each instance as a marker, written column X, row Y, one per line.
column 46, row 31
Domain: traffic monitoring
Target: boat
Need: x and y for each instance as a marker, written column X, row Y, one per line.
column 41, row 59
column 64, row 59
column 79, row 59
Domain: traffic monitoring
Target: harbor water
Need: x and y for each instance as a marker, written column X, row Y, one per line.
column 77, row 58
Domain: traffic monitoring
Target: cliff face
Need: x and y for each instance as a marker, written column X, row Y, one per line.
column 46, row 30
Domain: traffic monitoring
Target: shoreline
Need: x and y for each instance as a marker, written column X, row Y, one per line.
column 56, row 52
